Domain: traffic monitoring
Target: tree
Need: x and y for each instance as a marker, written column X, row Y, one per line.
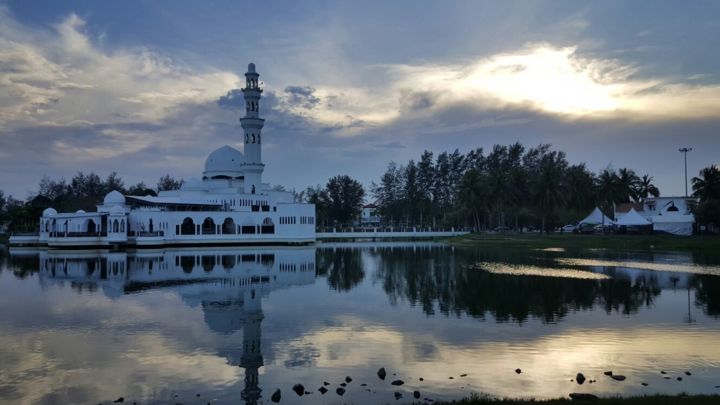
column 549, row 189
column 646, row 188
column 167, row 183
column 345, row 196
column 707, row 185
column 141, row 189
column 388, row 194
column 471, row 195
column 628, row 185
column 318, row 196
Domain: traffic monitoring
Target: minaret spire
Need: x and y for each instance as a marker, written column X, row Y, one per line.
column 252, row 125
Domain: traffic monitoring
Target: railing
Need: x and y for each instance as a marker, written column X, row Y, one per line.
column 389, row 229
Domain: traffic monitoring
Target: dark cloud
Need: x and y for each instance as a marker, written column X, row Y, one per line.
column 233, row 100
column 303, row 96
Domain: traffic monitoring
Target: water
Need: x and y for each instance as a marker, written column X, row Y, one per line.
column 235, row 324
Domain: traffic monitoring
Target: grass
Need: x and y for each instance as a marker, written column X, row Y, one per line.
column 707, row 243
column 642, row 400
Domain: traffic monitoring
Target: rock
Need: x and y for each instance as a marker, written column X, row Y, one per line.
column 322, row 390
column 197, row 395
column 644, row 384
column 348, row 379
column 518, row 371
column 343, row 384
column 618, row 377
column 463, row 375
column 308, row 392
column 416, row 394
column 398, row 395
column 575, row 396
column 679, row 378
column 276, row 396
column 451, row 378
column 299, row 389
column 363, row 385
column 326, row 383
column 119, row 400
column 663, row 372
column 688, row 373
column 381, row 373
column 398, row 382
column 340, row 391
column 667, row 378
column 608, row 373
column 580, row 378
column 421, row 379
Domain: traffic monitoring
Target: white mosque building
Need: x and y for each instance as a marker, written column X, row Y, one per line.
column 230, row 205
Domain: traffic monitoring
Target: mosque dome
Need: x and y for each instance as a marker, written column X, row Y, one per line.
column 80, row 211
column 49, row 212
column 224, row 163
column 114, row 198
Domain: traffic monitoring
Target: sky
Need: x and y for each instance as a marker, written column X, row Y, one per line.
column 148, row 88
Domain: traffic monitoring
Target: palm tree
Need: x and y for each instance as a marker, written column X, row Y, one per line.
column 645, row 188
column 608, row 188
column 628, row 183
column 707, row 186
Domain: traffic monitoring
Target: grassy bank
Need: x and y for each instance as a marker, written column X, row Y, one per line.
column 706, row 243
column 644, row 400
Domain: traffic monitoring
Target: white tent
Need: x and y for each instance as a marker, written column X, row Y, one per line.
column 632, row 218
column 596, row 217
column 674, row 223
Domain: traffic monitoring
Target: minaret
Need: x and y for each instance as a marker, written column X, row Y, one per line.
column 252, row 125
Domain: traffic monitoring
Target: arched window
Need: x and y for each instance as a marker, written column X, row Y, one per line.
column 267, row 226
column 229, row 226
column 247, row 138
column 116, row 226
column 208, row 226
column 122, row 226
column 253, row 138
column 187, row 227
column 248, row 227
column 208, row 263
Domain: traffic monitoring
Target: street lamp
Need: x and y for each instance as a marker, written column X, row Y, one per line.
column 685, row 152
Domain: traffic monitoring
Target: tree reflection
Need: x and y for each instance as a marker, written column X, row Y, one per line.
column 343, row 267
column 707, row 296
column 438, row 280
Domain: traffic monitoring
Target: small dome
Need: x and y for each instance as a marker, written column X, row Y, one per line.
column 251, row 68
column 113, row 198
column 49, row 212
column 225, row 162
column 117, row 210
column 80, row 212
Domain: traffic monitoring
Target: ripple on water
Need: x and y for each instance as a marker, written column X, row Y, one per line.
column 668, row 267
column 528, row 270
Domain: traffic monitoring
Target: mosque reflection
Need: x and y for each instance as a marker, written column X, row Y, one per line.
column 229, row 284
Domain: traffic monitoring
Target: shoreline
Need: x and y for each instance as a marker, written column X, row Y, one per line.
column 704, row 243
column 636, row 400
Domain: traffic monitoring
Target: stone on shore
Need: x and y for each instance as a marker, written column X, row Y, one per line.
column 416, row 394
column 340, row 391
column 322, row 390
column 618, row 377
column 518, row 371
column 348, row 379
column 382, row 373
column 276, row 396
column 580, row 378
column 299, row 389
column 398, row 382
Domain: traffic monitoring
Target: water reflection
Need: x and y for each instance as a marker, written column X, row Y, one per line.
column 227, row 285
column 196, row 317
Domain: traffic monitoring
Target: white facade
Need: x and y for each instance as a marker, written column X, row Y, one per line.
column 229, row 205
column 667, row 214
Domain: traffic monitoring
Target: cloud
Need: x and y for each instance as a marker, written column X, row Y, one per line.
column 63, row 76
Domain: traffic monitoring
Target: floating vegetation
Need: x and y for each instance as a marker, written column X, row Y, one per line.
column 669, row 267
column 528, row 270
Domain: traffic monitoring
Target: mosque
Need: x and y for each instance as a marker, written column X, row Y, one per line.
column 230, row 205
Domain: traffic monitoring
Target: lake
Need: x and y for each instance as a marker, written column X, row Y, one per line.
column 232, row 325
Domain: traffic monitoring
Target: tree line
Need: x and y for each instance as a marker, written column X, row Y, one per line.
column 83, row 192
column 706, row 187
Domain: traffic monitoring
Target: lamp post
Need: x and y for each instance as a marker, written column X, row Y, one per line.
column 685, row 152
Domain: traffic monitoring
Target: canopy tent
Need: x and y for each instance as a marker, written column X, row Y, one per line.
column 674, row 223
column 632, row 218
column 596, row 217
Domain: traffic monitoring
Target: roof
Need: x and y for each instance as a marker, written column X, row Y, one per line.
column 596, row 217
column 632, row 218
column 626, row 207
column 171, row 201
